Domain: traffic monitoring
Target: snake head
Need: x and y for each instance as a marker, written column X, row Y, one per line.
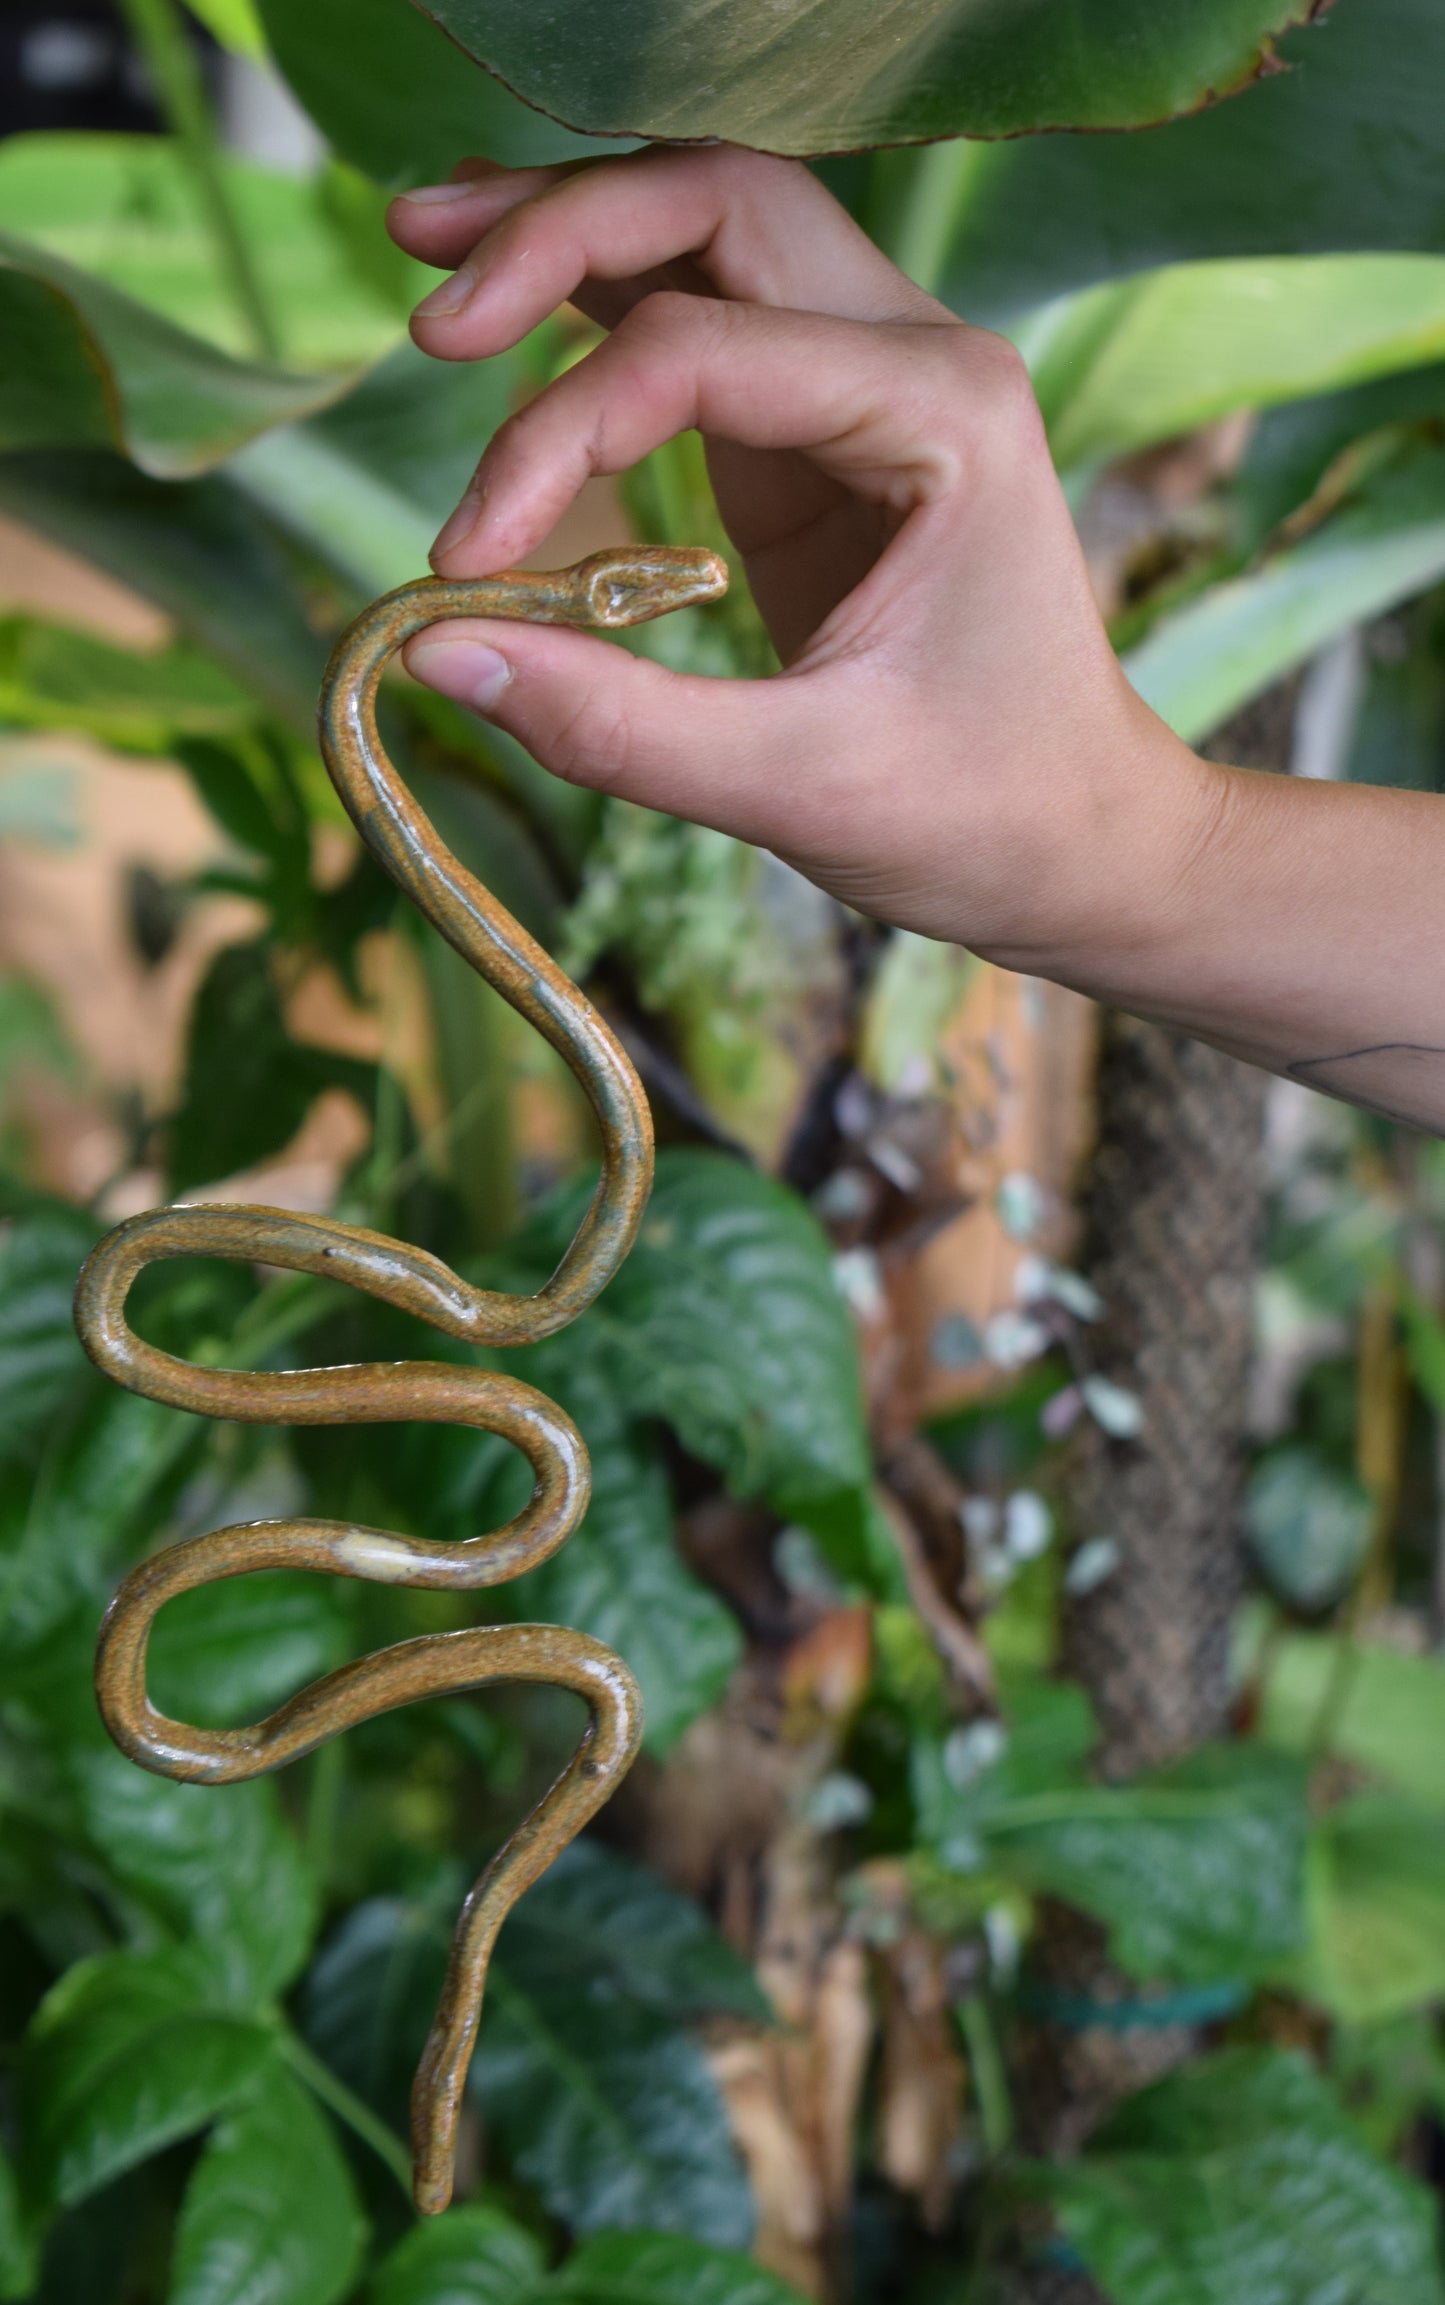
column 629, row 585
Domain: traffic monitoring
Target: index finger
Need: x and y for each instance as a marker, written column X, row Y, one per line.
column 753, row 228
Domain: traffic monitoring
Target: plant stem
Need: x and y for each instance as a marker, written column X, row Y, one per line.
column 348, row 2107
column 161, row 36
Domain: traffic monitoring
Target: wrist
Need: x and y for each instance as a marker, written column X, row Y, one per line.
column 1131, row 840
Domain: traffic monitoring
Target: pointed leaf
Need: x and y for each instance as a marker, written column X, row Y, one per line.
column 1182, row 347
column 1340, row 152
column 82, row 366
column 1242, row 2178
column 270, row 2216
column 802, row 81
column 122, row 2059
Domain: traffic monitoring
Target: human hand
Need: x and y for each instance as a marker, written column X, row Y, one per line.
column 951, row 745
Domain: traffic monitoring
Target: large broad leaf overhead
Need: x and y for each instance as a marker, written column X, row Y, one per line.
column 791, row 76
column 1343, row 151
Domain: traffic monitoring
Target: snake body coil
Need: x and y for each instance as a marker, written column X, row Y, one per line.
column 611, row 589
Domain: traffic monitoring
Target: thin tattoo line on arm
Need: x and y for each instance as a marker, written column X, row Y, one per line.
column 1400, row 1064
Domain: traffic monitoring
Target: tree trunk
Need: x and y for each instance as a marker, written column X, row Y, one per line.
column 1172, row 1208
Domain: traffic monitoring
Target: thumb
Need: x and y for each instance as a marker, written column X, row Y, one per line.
column 723, row 752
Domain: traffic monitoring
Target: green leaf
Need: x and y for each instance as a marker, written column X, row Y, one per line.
column 1381, row 1709
column 248, row 1085
column 1376, row 1910
column 198, row 549
column 1197, row 1871
column 662, row 2269
column 407, row 107
column 1341, row 152
column 641, row 1940
column 18, row 2268
column 124, row 2058
column 103, row 1481
column 727, row 1323
column 123, row 210
column 464, row 2257
column 82, row 366
column 1199, row 666
column 620, row 1577
column 599, row 2099
column 1157, row 356
column 1292, row 449
column 270, row 2216
column 234, row 23
column 1242, row 2178
column 801, row 83
column 41, row 1362
column 607, row 2109
column 215, row 1862
column 53, row 677
column 229, row 1653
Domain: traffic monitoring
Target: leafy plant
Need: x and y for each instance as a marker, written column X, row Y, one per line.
column 835, row 1839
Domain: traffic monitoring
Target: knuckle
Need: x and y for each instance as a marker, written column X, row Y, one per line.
column 593, row 741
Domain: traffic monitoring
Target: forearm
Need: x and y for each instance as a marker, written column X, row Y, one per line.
column 1296, row 925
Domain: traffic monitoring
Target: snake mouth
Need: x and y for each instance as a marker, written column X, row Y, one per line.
column 630, row 586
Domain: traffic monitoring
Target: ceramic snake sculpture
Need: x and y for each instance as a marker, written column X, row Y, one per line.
column 609, row 590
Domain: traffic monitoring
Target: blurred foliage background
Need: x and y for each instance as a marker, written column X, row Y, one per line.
column 1018, row 1437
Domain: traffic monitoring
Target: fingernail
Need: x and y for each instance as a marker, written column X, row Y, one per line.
column 461, row 669
column 461, row 523
column 441, row 195
column 450, row 297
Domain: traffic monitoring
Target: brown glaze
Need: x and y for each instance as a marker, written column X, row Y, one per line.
column 609, row 590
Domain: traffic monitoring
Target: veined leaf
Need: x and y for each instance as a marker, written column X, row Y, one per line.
column 40, row 1356
column 1178, row 348
column 469, row 2256
column 406, row 108
column 620, row 1577
column 644, row 1941
column 606, row 2108
column 806, row 80
column 1340, row 152
column 727, row 1323
column 82, row 366
column 1202, row 663
column 270, row 2216
column 122, row 2059
column 228, row 1653
column 211, row 1861
column 1241, row 2177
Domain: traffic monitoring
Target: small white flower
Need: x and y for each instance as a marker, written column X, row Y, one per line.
column 1091, row 1565
column 1028, row 1525
column 969, row 1751
column 1115, row 1410
column 1012, row 1339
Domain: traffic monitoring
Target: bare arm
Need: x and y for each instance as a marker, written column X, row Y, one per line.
column 951, row 745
